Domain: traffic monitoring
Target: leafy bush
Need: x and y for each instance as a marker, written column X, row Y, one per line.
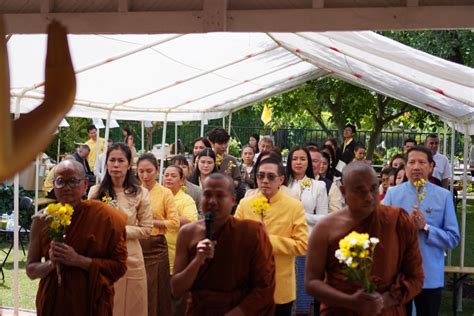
column 234, row 147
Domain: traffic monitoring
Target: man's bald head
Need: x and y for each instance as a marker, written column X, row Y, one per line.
column 358, row 170
column 70, row 164
column 360, row 188
column 222, row 177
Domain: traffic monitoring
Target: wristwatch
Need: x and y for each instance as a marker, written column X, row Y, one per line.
column 426, row 229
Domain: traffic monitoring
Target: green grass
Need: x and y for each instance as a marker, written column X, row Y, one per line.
column 29, row 287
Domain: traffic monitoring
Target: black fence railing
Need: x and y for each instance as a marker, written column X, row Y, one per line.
column 284, row 137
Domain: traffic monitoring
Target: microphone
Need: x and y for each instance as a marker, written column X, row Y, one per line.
column 208, row 219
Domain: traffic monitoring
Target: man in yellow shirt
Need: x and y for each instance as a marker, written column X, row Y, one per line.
column 286, row 225
column 92, row 131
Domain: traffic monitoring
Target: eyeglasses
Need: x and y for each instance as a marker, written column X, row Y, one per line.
column 60, row 183
column 269, row 176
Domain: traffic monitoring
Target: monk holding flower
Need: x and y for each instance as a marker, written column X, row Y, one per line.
column 337, row 270
column 89, row 247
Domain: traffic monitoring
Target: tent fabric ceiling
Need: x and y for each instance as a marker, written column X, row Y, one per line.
column 207, row 76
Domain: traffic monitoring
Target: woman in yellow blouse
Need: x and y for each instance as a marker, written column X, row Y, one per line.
column 155, row 249
column 126, row 194
column 174, row 179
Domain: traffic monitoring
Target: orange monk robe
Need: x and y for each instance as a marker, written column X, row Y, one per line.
column 397, row 264
column 242, row 273
column 97, row 231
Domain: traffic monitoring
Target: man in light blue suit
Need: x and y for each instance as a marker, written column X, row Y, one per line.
column 436, row 221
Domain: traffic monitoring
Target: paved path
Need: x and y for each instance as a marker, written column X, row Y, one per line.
column 9, row 312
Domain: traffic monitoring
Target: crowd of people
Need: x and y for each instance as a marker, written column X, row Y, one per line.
column 226, row 235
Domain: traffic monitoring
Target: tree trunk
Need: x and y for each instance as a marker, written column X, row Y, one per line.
column 318, row 120
column 374, row 138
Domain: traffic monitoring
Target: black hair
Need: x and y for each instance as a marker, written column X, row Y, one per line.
column 272, row 160
column 218, row 135
column 257, row 138
column 180, row 170
column 91, row 127
column 206, row 143
column 352, row 127
column 309, row 168
column 409, row 140
column 179, row 160
column 150, row 157
column 131, row 184
column 206, row 152
column 84, row 146
column 387, row 170
column 405, row 179
column 329, row 174
column 422, row 149
column 396, row 156
column 358, row 145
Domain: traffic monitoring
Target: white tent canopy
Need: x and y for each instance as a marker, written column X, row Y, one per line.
column 207, row 76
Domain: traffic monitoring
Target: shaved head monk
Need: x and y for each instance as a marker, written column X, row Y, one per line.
column 93, row 255
column 396, row 271
column 232, row 272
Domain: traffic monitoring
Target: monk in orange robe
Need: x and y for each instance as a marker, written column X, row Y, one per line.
column 92, row 257
column 396, row 271
column 234, row 272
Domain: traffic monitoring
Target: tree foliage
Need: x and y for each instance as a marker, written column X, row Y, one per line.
column 304, row 106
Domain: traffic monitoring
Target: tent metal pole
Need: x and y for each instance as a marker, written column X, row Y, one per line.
column 143, row 136
column 202, row 126
column 36, row 182
column 444, row 139
column 464, row 192
column 230, row 123
column 97, row 148
column 163, row 141
column 176, row 137
column 59, row 144
column 463, row 214
column 223, row 122
column 453, row 139
column 16, row 233
column 229, row 127
column 106, row 138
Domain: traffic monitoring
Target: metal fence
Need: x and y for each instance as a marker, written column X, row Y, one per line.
column 284, row 137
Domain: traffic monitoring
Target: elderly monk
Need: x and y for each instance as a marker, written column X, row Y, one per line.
column 92, row 257
column 397, row 270
column 231, row 274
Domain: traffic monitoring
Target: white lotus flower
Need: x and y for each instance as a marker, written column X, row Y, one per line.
column 374, row 240
column 366, row 244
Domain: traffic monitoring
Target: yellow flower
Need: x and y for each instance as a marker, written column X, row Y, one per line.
column 59, row 217
column 107, row 199
column 306, row 183
column 260, row 205
column 219, row 159
column 420, row 185
column 355, row 252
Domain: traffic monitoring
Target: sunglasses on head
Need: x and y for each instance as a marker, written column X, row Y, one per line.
column 269, row 176
column 60, row 182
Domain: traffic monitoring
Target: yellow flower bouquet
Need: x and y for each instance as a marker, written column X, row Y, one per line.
column 420, row 190
column 260, row 206
column 107, row 199
column 58, row 217
column 306, row 183
column 219, row 159
column 356, row 253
